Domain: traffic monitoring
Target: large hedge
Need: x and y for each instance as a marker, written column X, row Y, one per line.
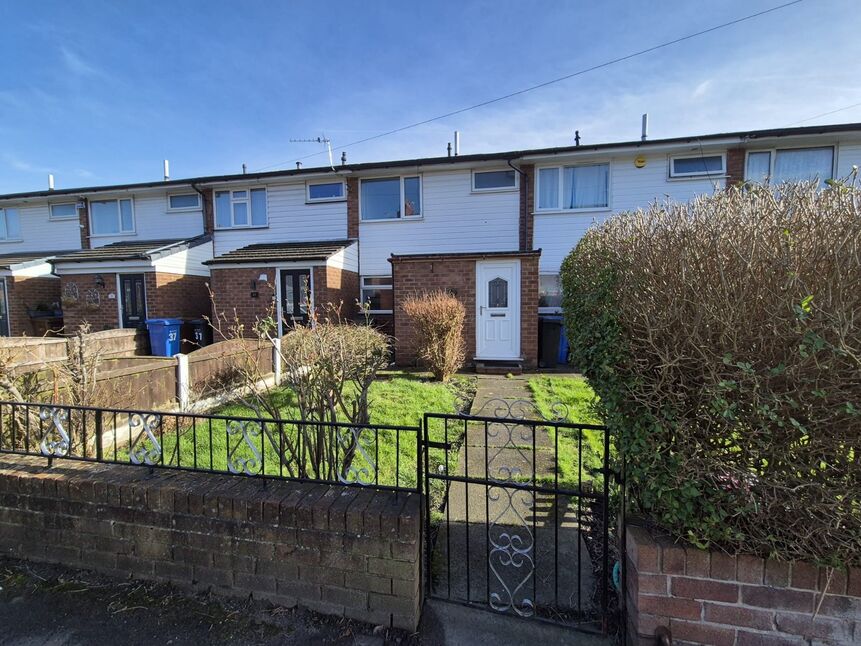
column 723, row 337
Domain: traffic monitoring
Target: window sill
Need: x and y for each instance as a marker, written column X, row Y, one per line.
column 549, row 310
column 113, row 235
column 597, row 209
column 188, row 210
column 243, row 228
column 381, row 312
column 10, row 240
column 689, row 178
column 334, row 200
column 411, row 218
column 68, row 219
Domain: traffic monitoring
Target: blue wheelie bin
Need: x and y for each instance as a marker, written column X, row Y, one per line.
column 164, row 336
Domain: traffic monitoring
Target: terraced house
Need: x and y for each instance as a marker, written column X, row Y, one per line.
column 491, row 228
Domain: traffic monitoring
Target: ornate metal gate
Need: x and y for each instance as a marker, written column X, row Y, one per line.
column 518, row 514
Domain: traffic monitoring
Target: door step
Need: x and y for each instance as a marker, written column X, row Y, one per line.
column 489, row 367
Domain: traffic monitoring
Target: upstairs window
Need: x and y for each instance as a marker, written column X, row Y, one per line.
column 697, row 166
column 791, row 164
column 183, row 202
column 10, row 224
column 325, row 192
column 240, row 209
column 112, row 217
column 494, row 180
column 391, row 198
column 64, row 211
column 377, row 294
column 571, row 188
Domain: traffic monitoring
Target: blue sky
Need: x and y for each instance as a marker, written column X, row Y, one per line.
column 101, row 92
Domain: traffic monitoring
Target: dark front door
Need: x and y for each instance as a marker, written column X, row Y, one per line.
column 133, row 300
column 4, row 310
column 295, row 296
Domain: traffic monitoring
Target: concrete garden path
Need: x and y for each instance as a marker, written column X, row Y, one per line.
column 531, row 553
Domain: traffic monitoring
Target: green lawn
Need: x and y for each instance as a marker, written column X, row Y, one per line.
column 581, row 451
column 397, row 399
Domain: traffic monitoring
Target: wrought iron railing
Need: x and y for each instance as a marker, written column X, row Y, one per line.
column 366, row 455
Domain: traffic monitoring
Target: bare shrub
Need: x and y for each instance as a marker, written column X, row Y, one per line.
column 723, row 339
column 330, row 366
column 438, row 318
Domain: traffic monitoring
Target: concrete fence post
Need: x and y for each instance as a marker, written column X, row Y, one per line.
column 276, row 359
column 182, row 386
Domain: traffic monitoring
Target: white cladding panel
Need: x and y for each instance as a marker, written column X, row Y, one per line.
column 290, row 220
column 454, row 220
column 186, row 262
column 154, row 222
column 40, row 233
column 556, row 234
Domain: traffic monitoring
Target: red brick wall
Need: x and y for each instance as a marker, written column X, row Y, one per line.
column 84, row 221
column 457, row 274
column 177, row 296
column 232, row 291
column 105, row 317
column 527, row 223
column 208, row 211
column 342, row 551
column 734, row 166
column 353, row 207
column 28, row 292
column 714, row 598
column 337, row 288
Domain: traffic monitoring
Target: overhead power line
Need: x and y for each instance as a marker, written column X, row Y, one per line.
column 825, row 114
column 532, row 88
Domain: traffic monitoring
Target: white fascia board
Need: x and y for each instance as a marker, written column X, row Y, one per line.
column 108, row 267
column 644, row 149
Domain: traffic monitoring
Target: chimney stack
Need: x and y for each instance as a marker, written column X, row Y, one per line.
column 645, row 133
column 166, row 170
column 51, row 182
column 456, row 143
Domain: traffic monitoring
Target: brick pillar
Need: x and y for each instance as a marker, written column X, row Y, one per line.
column 353, row 207
column 84, row 221
column 734, row 166
column 208, row 199
column 526, row 200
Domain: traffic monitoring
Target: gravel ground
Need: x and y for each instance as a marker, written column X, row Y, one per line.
column 46, row 604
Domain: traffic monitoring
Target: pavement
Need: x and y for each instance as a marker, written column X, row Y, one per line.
column 501, row 547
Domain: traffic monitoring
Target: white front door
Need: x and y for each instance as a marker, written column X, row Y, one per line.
column 497, row 303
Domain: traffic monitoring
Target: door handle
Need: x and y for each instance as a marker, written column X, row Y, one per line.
column 481, row 310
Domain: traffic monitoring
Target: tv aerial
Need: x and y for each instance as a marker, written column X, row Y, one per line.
column 323, row 140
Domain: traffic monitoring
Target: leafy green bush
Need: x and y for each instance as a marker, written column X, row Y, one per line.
column 722, row 338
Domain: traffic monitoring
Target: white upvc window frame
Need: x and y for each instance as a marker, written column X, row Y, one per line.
column 184, row 209
column 363, row 287
column 7, row 238
column 401, row 178
column 671, row 174
column 319, row 200
column 772, row 159
column 549, row 309
column 233, row 201
column 503, row 189
column 559, row 167
column 121, row 231
column 54, row 218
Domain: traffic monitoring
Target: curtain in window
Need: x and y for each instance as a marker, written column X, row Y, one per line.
column 548, row 188
column 758, row 166
column 222, row 209
column 585, row 187
column 105, row 217
column 803, row 164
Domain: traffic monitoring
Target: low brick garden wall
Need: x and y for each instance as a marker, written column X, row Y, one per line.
column 714, row 598
column 337, row 550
